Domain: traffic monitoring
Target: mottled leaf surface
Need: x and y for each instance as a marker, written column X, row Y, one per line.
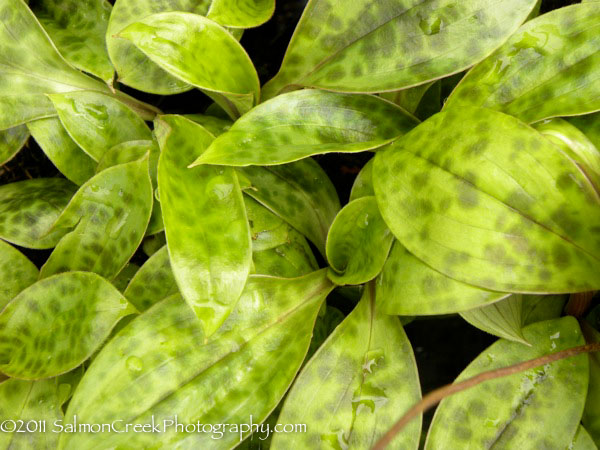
column 11, row 141
column 508, row 411
column 549, row 67
column 363, row 183
column 133, row 67
column 105, row 220
column 408, row 287
column 501, row 208
column 308, row 122
column 30, row 67
column 16, row 273
column 503, row 318
column 65, row 154
column 161, row 365
column 207, row 230
column 241, row 13
column 97, row 122
column 54, row 325
column 300, row 193
column 358, row 242
column 29, row 208
column 408, row 99
column 78, row 29
column 187, row 45
column 374, row 46
column 349, row 393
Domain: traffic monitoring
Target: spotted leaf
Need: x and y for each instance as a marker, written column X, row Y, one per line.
column 241, row 13
column 187, row 45
column 97, row 122
column 507, row 411
column 29, row 208
column 161, row 365
column 11, row 142
column 300, row 193
column 56, row 324
column 374, row 46
column 502, row 209
column 105, row 220
column 30, row 67
column 16, row 273
column 205, row 222
column 64, row 153
column 308, row 122
column 548, row 68
column 78, row 28
column 348, row 394
column 503, row 318
column 358, row 242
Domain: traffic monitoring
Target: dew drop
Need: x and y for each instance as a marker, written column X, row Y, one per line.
column 363, row 221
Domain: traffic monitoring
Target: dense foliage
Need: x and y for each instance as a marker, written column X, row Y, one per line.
column 191, row 257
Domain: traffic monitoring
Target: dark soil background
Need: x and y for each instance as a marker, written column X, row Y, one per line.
column 443, row 345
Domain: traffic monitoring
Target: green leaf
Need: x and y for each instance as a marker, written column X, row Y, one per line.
column 548, row 68
column 124, row 277
column 503, row 318
column 106, row 220
column 133, row 67
column 57, row 323
column 591, row 413
column 207, row 230
column 16, row 273
column 408, row 287
column 363, row 183
column 537, row 308
column 590, row 125
column 582, row 441
column 153, row 243
column 214, row 125
column 408, row 99
column 161, row 365
column 64, row 153
column 358, row 243
column 308, row 122
column 30, row 68
column 29, row 208
column 326, row 323
column 361, row 380
column 500, row 208
column 97, row 122
column 368, row 46
column 241, row 13
column 508, row 411
column 30, row 401
column 11, row 142
column 153, row 282
column 200, row 52
column 78, row 29
column 300, row 193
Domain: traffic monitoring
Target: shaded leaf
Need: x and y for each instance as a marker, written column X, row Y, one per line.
column 537, row 308
column 300, row 193
column 408, row 99
column 591, row 413
column 153, row 243
column 590, row 125
column 327, row 321
column 349, row 393
column 97, row 122
column 207, row 230
column 56, row 324
column 363, row 183
column 215, row 125
column 124, row 277
column 16, row 273
column 502, row 208
column 78, row 30
column 358, row 242
column 241, row 13
column 503, row 318
column 161, row 365
column 508, row 411
column 582, row 441
column 64, row 153
column 30, row 68
column 308, row 122
column 29, row 208
column 548, row 68
column 106, row 220
column 133, row 67
column 187, row 45
column 11, row 142
column 408, row 287
column 369, row 46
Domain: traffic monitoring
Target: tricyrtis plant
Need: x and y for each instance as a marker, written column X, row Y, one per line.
column 190, row 258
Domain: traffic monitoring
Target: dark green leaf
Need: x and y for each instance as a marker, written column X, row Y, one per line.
column 363, row 184
column 537, row 308
column 11, row 141
column 16, row 273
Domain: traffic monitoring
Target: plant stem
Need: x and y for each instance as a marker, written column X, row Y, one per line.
column 436, row 396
